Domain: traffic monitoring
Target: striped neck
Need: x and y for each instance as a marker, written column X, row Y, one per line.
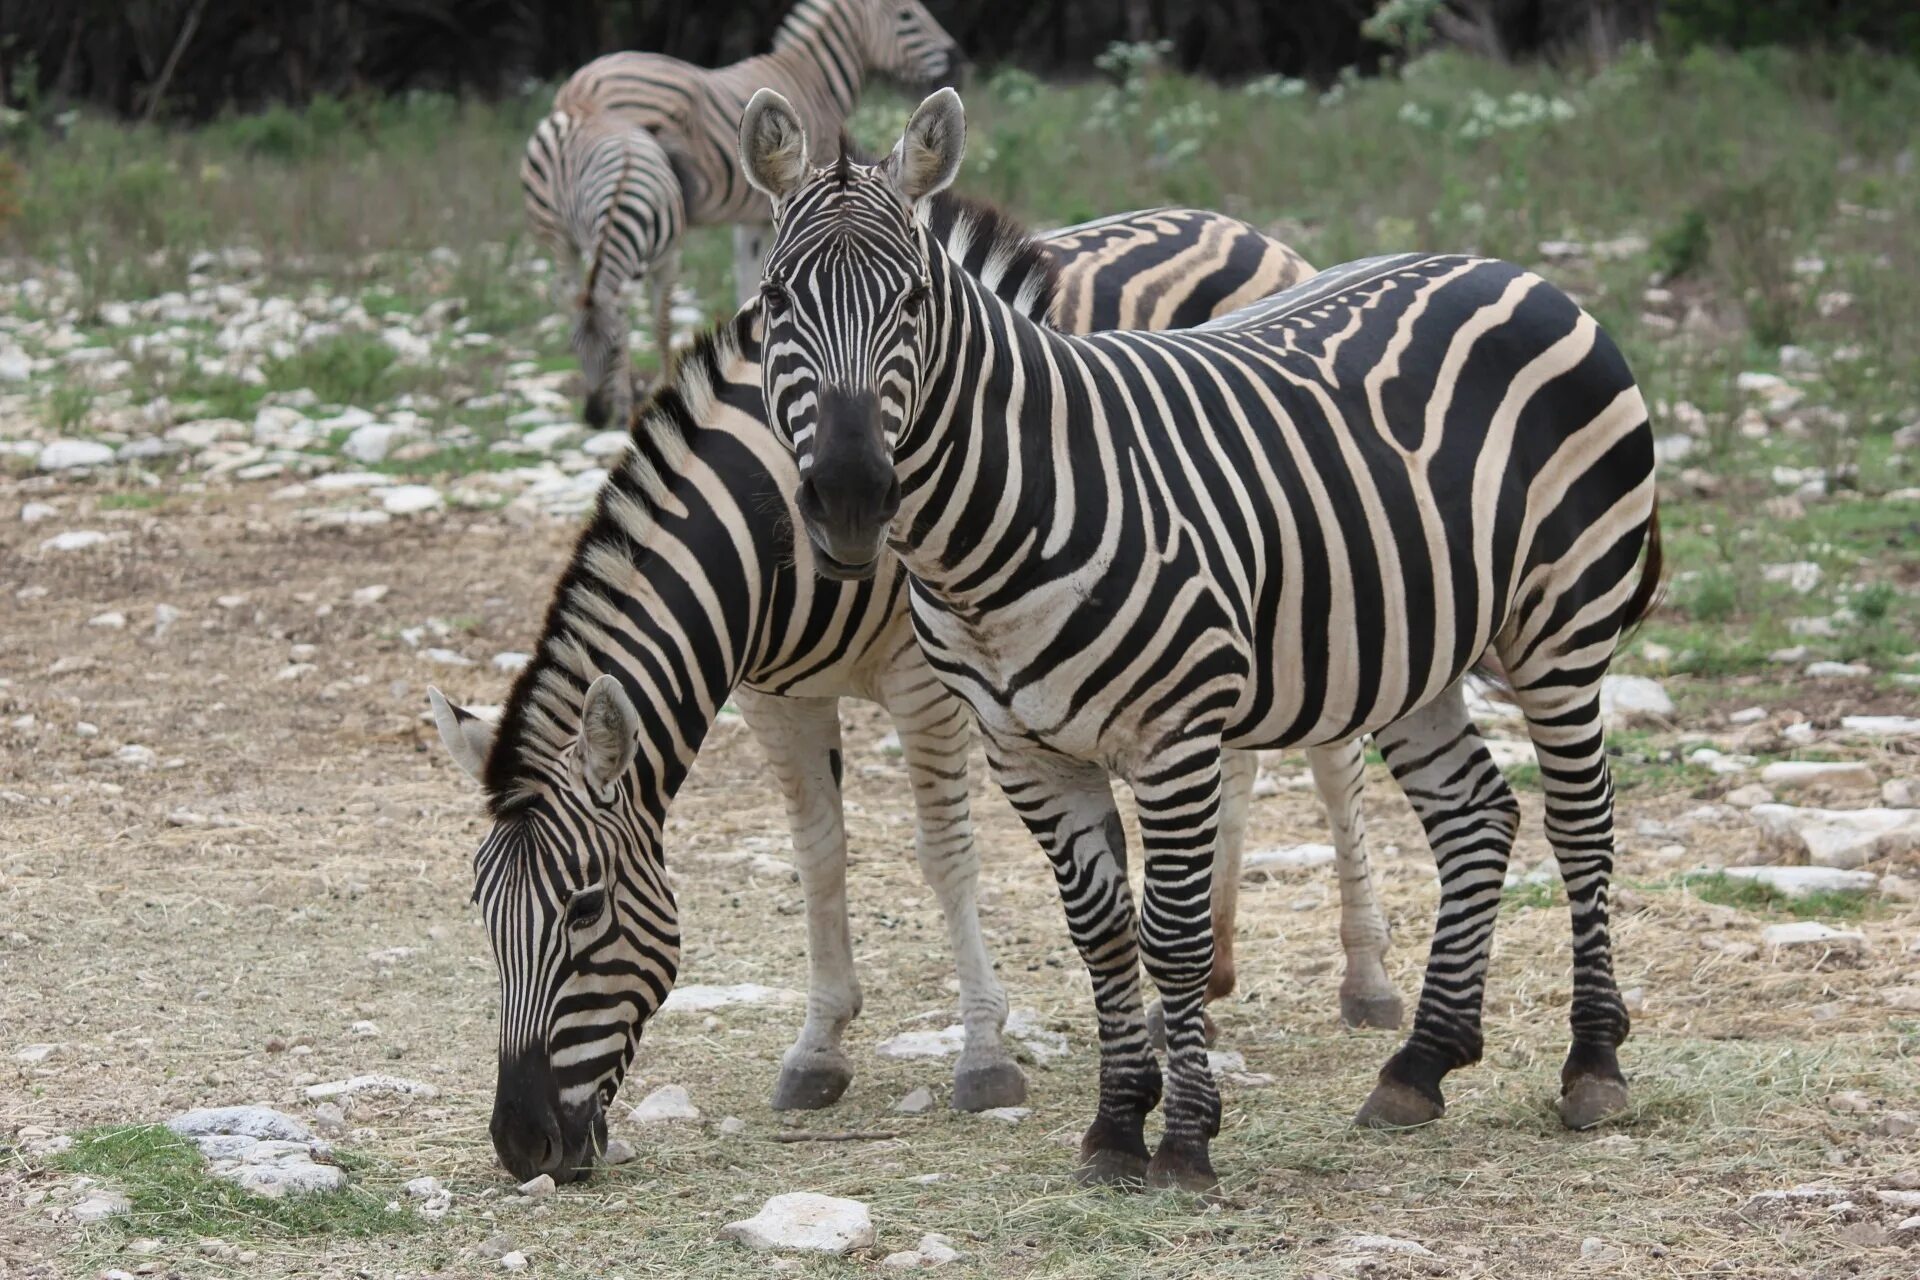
column 824, row 43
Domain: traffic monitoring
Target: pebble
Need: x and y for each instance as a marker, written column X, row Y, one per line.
column 619, row 1151
column 410, row 499
column 1803, row 934
column 667, row 1104
column 446, row 657
column 1747, row 715
column 511, row 662
column 515, row 1261
column 695, row 998
column 371, row 1084
column 112, row 620
column 32, row 1054
column 1838, row 670
column 1899, row 793
column 99, row 1204
column 371, row 594
column 1795, row 775
column 805, row 1222
column 1746, row 797
column 424, row 1188
column 732, row 1126
column 918, row 1102
column 1844, row 838
column 1625, row 699
column 1882, row 726
column 1299, row 857
column 1799, row 882
column 136, row 755
column 66, row 455
column 537, row 1188
column 74, row 540
column 1386, row 1244
column 1007, row 1115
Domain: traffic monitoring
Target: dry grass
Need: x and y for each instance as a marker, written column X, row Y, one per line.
column 163, row 958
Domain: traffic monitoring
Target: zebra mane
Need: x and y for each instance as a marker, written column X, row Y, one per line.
column 803, row 22
column 541, row 717
column 996, row 249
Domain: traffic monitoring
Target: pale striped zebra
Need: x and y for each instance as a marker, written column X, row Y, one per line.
column 1300, row 522
column 600, row 729
column 820, row 59
column 603, row 197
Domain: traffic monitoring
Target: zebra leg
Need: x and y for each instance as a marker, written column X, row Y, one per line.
column 935, row 733
column 1470, row 816
column 1367, row 997
column 801, row 739
column 1238, row 769
column 750, row 243
column 1564, row 723
column 1068, row 805
column 1178, row 796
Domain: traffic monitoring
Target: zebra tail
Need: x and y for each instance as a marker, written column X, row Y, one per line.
column 1652, row 589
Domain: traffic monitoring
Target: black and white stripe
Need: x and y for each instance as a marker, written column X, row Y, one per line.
column 604, row 198
column 1298, row 523
column 687, row 588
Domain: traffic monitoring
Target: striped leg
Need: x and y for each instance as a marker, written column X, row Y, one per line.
column 1367, row 997
column 1238, row 769
column 1068, row 805
column 1564, row 723
column 1470, row 816
column 1178, row 796
column 801, row 738
column 935, row 733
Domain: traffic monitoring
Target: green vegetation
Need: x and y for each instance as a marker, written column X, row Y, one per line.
column 173, row 1196
column 1750, row 895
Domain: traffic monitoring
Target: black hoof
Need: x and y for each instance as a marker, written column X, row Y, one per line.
column 1592, row 1099
column 1157, row 1027
column 1393, row 1105
column 1182, row 1167
column 999, row 1084
column 809, row 1088
column 1379, row 1012
column 1106, row 1168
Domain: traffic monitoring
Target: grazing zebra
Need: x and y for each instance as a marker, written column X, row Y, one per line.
column 603, row 196
column 1297, row 523
column 821, row 55
column 682, row 591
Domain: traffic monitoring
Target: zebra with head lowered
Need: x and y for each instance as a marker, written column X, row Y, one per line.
column 603, row 196
column 688, row 585
column 1299, row 522
column 821, row 56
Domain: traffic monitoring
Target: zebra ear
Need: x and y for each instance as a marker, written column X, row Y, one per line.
column 773, row 145
column 928, row 155
column 468, row 738
column 609, row 736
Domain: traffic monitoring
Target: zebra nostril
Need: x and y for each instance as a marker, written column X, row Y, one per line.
column 890, row 505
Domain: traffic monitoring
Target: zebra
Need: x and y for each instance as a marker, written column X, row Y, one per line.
column 601, row 726
column 821, row 55
column 1296, row 523
column 604, row 198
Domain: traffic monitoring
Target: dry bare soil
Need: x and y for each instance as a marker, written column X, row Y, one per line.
column 225, row 961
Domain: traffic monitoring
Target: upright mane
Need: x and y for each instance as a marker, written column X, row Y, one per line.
column 542, row 712
column 996, row 249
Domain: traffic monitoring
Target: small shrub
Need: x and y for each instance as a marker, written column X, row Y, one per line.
column 1683, row 248
column 349, row 369
column 1715, row 596
column 68, row 406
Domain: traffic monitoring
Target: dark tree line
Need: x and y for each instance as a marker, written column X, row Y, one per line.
column 190, row 59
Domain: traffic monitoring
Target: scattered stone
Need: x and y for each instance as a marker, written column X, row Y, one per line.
column 619, row 1151
column 1746, row 797
column 69, row 455
column 35, row 512
column 918, row 1102
column 329, row 1119
column 732, row 1126
column 511, row 663
column 1225, row 1061
column 262, row 1151
column 363, row 1029
column 371, row 595
column 74, row 540
column 1804, row 934
column 805, row 1222
column 1594, row 1249
column 410, row 499
column 667, row 1104
column 1800, row 576
column 111, row 620
column 1899, row 793
column 253, row 1122
column 1844, row 838
column 1299, row 857
column 1882, row 726
column 1808, row 1193
column 605, row 444
column 704, row 999
column 1007, row 1115
column 1852, row 1101
column 99, row 1204
column 1627, row 699
column 1905, row 999
column 33, row 1054
column 1796, row 775
column 1799, row 882
column 136, row 755
column 357, row 1085
column 446, row 657
column 537, row 1188
column 1747, row 715
column 515, row 1261
column 423, row 1188
column 1386, row 1244
column 1838, row 670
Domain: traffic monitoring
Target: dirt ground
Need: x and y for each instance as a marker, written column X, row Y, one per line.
column 223, row 955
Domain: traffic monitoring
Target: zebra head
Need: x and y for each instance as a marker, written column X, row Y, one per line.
column 571, row 889
column 848, row 326
column 904, row 41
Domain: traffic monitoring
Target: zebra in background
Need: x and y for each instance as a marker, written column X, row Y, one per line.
column 601, row 727
column 604, row 198
column 820, row 58
column 1297, row 523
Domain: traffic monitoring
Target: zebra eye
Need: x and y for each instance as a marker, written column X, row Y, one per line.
column 775, row 297
column 585, row 907
column 916, row 299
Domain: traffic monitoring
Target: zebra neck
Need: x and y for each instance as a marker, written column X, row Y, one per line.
column 820, row 49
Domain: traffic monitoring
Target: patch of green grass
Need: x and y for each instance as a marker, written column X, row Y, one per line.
column 1751, row 895
column 132, row 500
column 68, row 406
column 352, row 368
column 454, row 460
column 1522, row 777
column 1521, row 896
column 165, row 1178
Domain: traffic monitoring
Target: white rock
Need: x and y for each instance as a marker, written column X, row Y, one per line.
column 1624, row 699
column 164, row 616
column 908, row 1260
column 1811, row 933
column 918, row 1102
column 74, row 540
column 667, row 1104
column 99, row 1204
column 66, row 455
column 1747, row 715
column 423, row 1188
column 1837, row 670
column 35, row 1053
column 537, row 1188
column 1225, row 1061
column 515, row 1261
column 619, row 1151
column 357, row 1085
column 253, row 1122
column 35, row 512
column 700, row 999
column 1798, row 882
column 1007, row 1115
column 1594, row 1249
column 373, row 594
column 1899, row 793
column 1386, row 1244
column 1299, row 857
column 1800, row 576
column 732, row 1126
column 1793, row 775
column 1882, row 726
column 604, row 444
column 511, row 662
column 1748, row 796
column 363, row 1029
column 805, row 1222
column 936, row 1249
column 546, row 439
column 1844, row 838
column 371, row 443
column 290, row 1178
column 944, row 1043
column 446, row 657
column 136, row 755
column 410, row 499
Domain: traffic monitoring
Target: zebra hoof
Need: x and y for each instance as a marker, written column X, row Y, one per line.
column 809, row 1088
column 1592, row 1099
column 1379, row 1012
column 1393, row 1105
column 1108, row 1168
column 1157, row 1027
column 998, row 1084
column 1182, row 1167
